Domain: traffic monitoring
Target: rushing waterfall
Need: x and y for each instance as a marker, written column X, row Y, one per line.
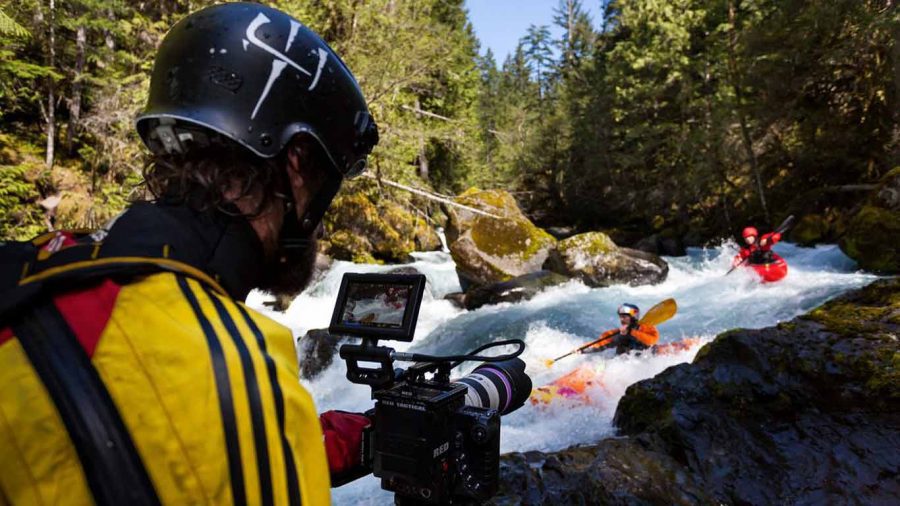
column 564, row 317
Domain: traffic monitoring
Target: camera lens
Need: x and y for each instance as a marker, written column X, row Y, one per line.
column 503, row 386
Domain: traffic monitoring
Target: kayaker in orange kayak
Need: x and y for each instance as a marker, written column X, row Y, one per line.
column 631, row 335
column 758, row 252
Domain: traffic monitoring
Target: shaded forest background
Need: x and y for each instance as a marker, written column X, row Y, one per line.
column 682, row 117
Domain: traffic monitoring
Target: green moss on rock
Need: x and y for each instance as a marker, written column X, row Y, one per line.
column 810, row 230
column 347, row 246
column 873, row 239
column 511, row 237
column 362, row 229
column 873, row 233
column 864, row 312
column 594, row 243
column 490, row 249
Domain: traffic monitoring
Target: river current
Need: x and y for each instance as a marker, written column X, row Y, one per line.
column 564, row 317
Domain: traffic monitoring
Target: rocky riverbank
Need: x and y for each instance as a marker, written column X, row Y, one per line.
column 806, row 412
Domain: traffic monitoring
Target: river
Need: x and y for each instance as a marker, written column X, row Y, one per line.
column 564, row 317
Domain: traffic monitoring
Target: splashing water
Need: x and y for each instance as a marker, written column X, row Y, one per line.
column 564, row 317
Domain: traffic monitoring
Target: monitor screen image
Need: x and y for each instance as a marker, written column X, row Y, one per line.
column 375, row 305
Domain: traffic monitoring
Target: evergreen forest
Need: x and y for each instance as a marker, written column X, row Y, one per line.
column 686, row 117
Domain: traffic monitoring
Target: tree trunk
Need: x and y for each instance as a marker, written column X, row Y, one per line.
column 51, row 87
column 77, row 87
column 742, row 118
column 570, row 34
column 423, row 156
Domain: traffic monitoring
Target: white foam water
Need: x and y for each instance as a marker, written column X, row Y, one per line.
column 564, row 317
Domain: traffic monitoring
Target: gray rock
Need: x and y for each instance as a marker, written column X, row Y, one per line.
column 515, row 290
column 316, row 351
column 596, row 260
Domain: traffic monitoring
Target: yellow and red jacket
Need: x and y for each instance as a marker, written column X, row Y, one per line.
column 204, row 389
column 639, row 337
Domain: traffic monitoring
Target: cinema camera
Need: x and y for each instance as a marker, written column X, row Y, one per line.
column 433, row 440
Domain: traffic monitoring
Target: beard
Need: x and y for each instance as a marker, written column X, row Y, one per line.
column 287, row 272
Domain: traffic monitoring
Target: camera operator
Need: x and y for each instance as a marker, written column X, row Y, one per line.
column 132, row 373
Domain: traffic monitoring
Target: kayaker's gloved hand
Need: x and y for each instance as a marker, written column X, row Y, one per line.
column 344, row 444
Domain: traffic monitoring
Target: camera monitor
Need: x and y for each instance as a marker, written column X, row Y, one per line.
column 380, row 306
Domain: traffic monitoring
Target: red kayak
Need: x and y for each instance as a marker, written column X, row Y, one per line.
column 769, row 272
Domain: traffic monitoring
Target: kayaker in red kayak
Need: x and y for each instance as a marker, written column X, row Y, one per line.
column 758, row 252
column 631, row 335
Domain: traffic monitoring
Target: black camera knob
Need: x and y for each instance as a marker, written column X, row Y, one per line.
column 479, row 433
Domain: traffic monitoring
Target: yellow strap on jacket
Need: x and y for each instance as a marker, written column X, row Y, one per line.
column 207, row 389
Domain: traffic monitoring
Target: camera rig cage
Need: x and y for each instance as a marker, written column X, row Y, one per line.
column 426, row 444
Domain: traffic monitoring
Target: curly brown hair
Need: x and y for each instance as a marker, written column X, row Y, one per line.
column 202, row 176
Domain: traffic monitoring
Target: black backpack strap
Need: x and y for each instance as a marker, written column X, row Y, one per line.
column 112, row 466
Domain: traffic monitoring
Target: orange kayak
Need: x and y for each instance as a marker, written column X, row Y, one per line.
column 578, row 385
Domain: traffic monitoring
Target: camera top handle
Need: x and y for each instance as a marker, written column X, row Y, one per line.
column 370, row 353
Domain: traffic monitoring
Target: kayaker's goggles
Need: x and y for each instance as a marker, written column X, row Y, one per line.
column 630, row 310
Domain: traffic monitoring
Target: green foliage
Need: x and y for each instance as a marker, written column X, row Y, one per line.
column 669, row 115
column 9, row 27
column 664, row 117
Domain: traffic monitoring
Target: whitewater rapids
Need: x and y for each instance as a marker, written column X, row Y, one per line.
column 564, row 317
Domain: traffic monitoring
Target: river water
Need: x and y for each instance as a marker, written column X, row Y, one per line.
column 564, row 317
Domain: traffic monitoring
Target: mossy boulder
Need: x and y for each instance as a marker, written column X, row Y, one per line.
column 595, row 259
column 812, row 229
column 806, row 412
column 488, row 249
column 366, row 230
column 873, row 233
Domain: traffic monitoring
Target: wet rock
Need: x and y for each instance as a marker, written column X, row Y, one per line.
column 457, row 298
column 812, row 229
column 561, row 233
column 487, row 249
column 615, row 471
column 873, row 233
column 666, row 243
column 596, row 260
column 807, row 412
column 515, row 290
column 407, row 270
column 425, row 236
column 316, row 351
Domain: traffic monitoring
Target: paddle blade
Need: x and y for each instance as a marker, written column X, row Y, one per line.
column 660, row 313
column 549, row 362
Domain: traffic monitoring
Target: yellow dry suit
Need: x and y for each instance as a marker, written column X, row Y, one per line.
column 131, row 374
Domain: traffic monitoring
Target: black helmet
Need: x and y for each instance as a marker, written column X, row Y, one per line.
column 258, row 77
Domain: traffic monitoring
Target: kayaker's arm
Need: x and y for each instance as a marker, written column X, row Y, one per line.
column 769, row 240
column 646, row 334
column 607, row 339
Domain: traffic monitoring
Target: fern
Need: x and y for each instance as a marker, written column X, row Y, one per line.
column 9, row 27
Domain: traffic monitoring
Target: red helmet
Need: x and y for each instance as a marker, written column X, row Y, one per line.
column 750, row 231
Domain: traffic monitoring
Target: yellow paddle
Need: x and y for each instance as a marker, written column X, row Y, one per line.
column 660, row 313
column 654, row 316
